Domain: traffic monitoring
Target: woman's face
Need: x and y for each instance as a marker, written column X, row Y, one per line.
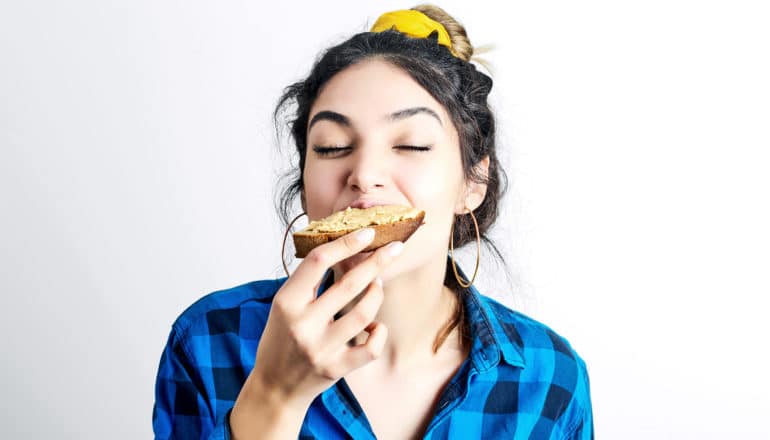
column 375, row 134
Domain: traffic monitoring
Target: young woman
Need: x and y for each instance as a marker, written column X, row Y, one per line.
column 394, row 343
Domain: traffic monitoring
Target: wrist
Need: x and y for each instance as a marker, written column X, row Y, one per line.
column 261, row 411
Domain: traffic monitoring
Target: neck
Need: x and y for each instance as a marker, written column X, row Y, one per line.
column 416, row 307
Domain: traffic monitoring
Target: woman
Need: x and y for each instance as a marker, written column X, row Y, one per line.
column 394, row 343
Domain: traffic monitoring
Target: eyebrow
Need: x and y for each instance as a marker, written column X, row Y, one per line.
column 328, row 115
column 403, row 114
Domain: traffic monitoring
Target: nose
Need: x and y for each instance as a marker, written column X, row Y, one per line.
column 368, row 170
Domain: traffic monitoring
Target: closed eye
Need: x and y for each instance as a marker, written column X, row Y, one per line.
column 328, row 151
column 414, row 147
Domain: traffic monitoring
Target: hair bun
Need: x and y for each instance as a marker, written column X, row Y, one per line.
column 461, row 44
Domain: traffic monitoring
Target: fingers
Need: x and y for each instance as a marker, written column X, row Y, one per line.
column 354, row 281
column 319, row 260
column 362, row 354
column 356, row 319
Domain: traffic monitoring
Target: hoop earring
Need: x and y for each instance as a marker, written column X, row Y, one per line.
column 283, row 246
column 478, row 251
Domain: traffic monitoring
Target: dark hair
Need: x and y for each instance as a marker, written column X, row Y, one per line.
column 454, row 82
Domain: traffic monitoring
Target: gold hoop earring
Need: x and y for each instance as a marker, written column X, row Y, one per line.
column 478, row 251
column 283, row 246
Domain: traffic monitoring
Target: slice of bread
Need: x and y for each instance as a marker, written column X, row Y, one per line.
column 390, row 223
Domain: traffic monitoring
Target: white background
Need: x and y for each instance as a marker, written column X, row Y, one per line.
column 138, row 162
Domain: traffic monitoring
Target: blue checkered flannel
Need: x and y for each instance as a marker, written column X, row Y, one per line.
column 520, row 381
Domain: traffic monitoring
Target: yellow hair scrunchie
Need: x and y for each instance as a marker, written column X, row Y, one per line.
column 413, row 23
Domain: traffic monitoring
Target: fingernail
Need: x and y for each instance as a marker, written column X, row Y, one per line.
column 395, row 248
column 378, row 280
column 365, row 235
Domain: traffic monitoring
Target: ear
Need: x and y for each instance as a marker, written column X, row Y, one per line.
column 474, row 192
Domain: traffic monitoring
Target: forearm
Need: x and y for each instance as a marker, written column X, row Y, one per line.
column 262, row 414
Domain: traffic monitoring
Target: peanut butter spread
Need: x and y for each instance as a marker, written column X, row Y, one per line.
column 355, row 218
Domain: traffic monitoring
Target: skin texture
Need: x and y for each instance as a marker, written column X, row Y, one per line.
column 429, row 180
column 389, row 303
column 374, row 166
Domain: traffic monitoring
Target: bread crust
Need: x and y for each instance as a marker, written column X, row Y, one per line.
column 383, row 234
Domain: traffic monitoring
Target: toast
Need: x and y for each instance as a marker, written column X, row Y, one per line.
column 390, row 223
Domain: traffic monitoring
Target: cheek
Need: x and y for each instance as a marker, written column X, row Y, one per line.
column 431, row 186
column 433, row 189
column 321, row 190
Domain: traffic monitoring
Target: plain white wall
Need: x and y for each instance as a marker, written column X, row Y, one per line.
column 138, row 162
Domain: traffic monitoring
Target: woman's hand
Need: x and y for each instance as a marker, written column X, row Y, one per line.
column 303, row 350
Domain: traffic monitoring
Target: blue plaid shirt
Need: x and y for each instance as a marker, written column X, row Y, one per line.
column 520, row 381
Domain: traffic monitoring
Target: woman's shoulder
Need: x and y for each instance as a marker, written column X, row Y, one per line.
column 224, row 310
column 546, row 365
column 531, row 337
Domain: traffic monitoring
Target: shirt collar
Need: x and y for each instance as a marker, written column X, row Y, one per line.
column 492, row 338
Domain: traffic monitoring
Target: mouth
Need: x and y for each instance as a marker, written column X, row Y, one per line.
column 364, row 203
